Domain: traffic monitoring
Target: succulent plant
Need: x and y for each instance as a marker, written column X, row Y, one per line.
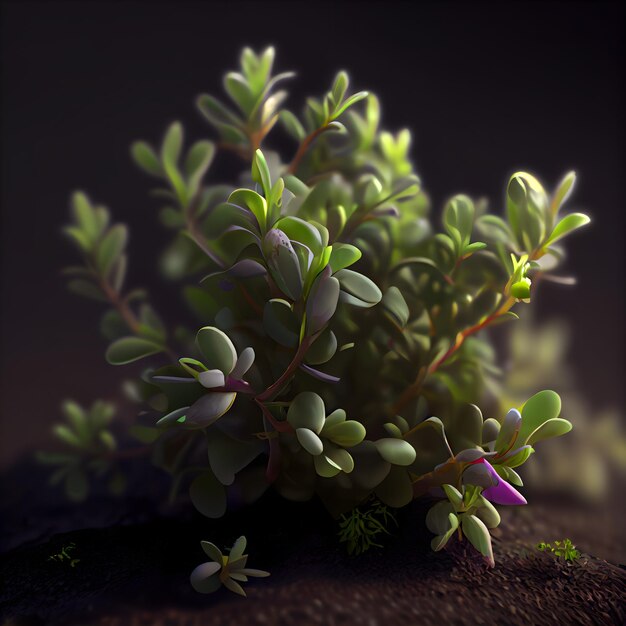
column 224, row 569
column 335, row 322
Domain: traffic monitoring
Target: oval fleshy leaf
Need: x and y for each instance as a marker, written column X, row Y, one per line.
column 346, row 433
column 244, row 363
column 325, row 467
column 359, row 286
column 307, row 411
column 217, row 349
column 204, row 578
column 478, row 534
column 552, row 428
column 396, row 451
column 210, row 408
column 543, row 406
column 309, row 441
column 211, row 379
column 509, row 431
column 129, row 349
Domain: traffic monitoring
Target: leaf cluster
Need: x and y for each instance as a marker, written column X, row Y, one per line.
column 88, row 450
column 224, row 569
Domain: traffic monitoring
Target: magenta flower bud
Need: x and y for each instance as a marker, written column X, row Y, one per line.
column 502, row 492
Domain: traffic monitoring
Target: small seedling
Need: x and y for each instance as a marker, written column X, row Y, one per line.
column 64, row 555
column 228, row 570
column 360, row 528
column 565, row 549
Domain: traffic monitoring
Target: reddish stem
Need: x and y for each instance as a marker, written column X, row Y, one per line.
column 304, row 146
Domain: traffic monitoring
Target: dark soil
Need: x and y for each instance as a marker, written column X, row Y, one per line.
column 134, row 564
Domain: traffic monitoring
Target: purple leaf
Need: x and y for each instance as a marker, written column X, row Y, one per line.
column 502, row 492
column 327, row 378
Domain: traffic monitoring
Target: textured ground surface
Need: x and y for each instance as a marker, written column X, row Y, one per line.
column 134, row 568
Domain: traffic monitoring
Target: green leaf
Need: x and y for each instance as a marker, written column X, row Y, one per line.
column 217, row 349
column 238, row 89
column 563, row 192
column 246, row 198
column 299, row 230
column 111, row 247
column 339, row 87
column 321, row 303
column 454, row 496
column 552, row 428
column 323, row 348
column 212, row 551
column 67, row 436
column 325, row 467
column 307, row 411
column 218, row 114
column 340, row 457
column 343, row 255
column 359, row 286
column 283, row 262
column 438, row 519
column 146, row 158
column 478, row 534
column 238, row 549
column 204, row 578
column 85, row 216
column 568, row 224
column 197, row 163
column 347, row 433
column 129, row 349
column 474, row 247
column 396, row 451
column 79, row 238
column 346, row 104
column 309, row 441
column 395, row 305
column 261, row 173
column 170, row 154
column 509, row 432
column 543, row 406
column 458, row 217
column 488, row 513
column 292, row 125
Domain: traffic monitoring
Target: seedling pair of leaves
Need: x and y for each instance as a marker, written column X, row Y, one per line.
column 224, row 569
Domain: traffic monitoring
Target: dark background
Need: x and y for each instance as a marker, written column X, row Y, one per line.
column 486, row 88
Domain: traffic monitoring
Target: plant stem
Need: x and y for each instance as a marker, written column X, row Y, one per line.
column 303, row 147
column 413, row 390
column 462, row 336
column 120, row 305
column 273, row 389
